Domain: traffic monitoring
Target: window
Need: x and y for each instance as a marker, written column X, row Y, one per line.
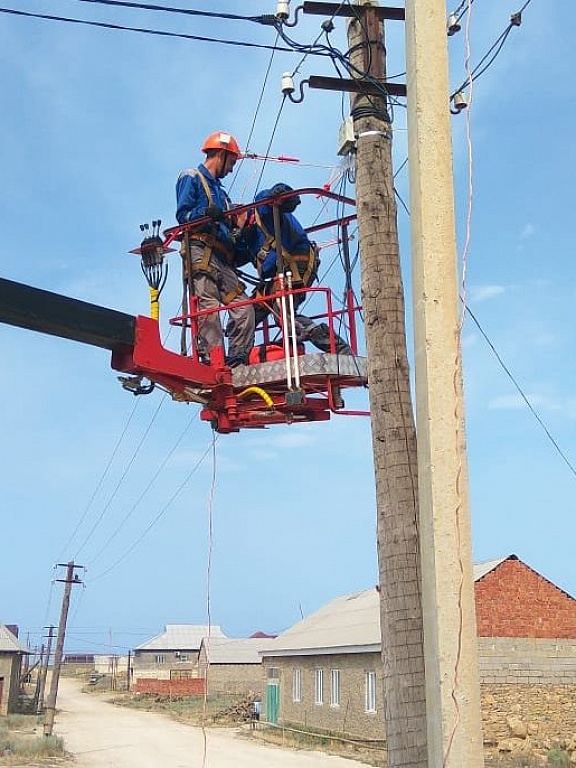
column 183, row 658
column 318, row 686
column 159, row 658
column 272, row 673
column 371, row 691
column 335, row 687
column 297, row 684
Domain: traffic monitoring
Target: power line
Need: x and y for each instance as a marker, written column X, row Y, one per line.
column 144, row 492
column 102, row 478
column 123, row 476
column 158, row 516
column 521, row 393
column 141, row 30
column 262, row 19
column 494, row 51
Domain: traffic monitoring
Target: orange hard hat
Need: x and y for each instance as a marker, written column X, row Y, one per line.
column 222, row 140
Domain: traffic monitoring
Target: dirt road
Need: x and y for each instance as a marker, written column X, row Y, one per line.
column 101, row 735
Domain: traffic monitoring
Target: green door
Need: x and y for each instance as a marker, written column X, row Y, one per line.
column 272, row 702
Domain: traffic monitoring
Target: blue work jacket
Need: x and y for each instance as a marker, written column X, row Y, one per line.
column 192, row 201
column 292, row 235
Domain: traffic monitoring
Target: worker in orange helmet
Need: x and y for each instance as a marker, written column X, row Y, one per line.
column 213, row 252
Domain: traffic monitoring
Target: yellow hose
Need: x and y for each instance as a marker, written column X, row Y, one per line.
column 260, row 392
column 154, row 304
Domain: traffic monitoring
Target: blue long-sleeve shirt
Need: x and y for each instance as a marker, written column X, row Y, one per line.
column 192, row 201
column 292, row 235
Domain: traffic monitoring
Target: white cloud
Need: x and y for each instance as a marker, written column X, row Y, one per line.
column 516, row 402
column 527, row 231
column 485, row 292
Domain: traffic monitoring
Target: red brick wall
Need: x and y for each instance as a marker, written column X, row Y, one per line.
column 515, row 601
column 195, row 686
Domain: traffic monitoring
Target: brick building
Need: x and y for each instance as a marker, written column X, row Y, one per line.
column 325, row 672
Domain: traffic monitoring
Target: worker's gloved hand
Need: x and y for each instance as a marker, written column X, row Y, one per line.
column 215, row 212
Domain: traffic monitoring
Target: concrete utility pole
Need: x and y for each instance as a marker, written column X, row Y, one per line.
column 450, row 640
column 44, row 671
column 393, row 429
column 71, row 578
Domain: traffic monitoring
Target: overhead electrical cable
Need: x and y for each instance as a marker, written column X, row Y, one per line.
column 122, row 478
column 99, row 483
column 160, row 514
column 262, row 19
column 256, row 112
column 142, row 30
column 522, row 394
column 494, row 51
column 144, row 492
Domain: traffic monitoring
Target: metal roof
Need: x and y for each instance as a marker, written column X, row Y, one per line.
column 181, row 637
column 9, row 643
column 235, row 650
column 481, row 569
column 349, row 624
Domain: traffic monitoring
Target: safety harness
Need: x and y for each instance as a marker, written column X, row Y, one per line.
column 203, row 265
column 304, row 266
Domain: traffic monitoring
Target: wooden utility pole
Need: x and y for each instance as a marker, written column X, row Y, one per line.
column 44, row 671
column 393, row 428
column 450, row 640
column 71, row 578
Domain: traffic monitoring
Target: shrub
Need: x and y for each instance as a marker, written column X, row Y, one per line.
column 558, row 758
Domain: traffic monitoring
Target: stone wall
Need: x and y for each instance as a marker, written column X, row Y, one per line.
column 237, row 679
column 530, row 719
column 349, row 716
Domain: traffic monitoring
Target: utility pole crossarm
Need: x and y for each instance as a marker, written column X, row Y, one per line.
column 342, row 9
column 357, row 86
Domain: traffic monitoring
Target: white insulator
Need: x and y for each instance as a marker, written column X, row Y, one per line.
column 287, row 83
column 282, row 9
column 453, row 25
column 460, row 101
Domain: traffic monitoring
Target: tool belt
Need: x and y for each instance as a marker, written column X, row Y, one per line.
column 204, row 265
column 303, row 266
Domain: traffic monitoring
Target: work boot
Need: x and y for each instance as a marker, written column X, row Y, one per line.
column 236, row 358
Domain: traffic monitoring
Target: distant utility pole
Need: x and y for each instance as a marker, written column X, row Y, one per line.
column 450, row 638
column 44, row 664
column 71, row 578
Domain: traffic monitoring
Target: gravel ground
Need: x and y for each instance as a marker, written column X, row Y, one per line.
column 100, row 735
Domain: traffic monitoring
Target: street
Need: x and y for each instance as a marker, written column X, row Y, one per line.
column 100, row 735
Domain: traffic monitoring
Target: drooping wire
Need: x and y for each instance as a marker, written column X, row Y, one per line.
column 99, row 483
column 263, row 19
column 256, row 112
column 520, row 391
column 144, row 491
column 208, row 591
column 142, row 30
column 122, row 477
column 160, row 514
column 494, row 51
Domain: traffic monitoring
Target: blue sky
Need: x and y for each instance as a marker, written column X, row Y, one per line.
column 95, row 126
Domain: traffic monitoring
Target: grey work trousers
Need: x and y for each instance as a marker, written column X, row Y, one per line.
column 210, row 291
